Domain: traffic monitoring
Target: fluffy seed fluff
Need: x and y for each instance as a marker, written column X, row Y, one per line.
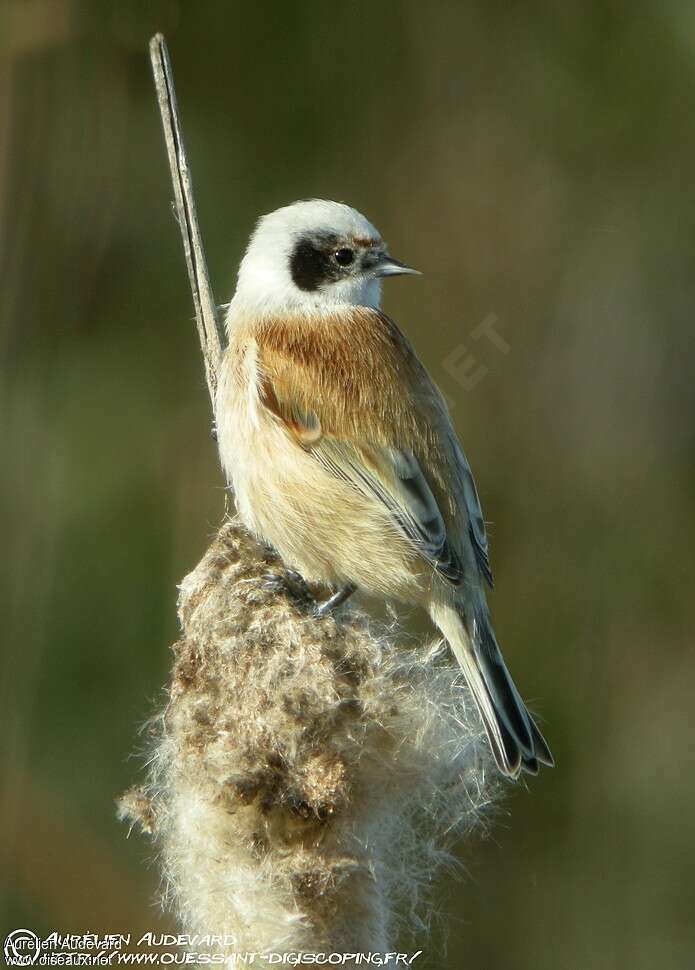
column 308, row 776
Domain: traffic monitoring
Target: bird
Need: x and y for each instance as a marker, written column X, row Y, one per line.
column 341, row 454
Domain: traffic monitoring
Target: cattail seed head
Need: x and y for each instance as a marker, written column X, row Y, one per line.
column 308, row 776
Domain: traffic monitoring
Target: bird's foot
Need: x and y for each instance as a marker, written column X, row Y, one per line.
column 287, row 581
column 336, row 600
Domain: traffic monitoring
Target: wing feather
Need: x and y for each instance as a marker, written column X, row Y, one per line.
column 476, row 522
column 395, row 479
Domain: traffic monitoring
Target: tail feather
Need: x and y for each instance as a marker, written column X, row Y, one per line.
column 516, row 742
column 543, row 753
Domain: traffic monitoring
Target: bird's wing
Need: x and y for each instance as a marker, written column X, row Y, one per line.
column 395, row 478
column 351, row 392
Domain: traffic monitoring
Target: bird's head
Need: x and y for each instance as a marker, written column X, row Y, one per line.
column 311, row 255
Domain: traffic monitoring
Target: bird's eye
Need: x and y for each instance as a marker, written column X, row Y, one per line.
column 344, row 257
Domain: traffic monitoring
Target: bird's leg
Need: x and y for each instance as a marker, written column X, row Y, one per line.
column 335, row 600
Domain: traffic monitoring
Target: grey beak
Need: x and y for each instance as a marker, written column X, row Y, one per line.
column 388, row 266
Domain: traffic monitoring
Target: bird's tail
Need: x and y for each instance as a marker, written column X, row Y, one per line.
column 516, row 742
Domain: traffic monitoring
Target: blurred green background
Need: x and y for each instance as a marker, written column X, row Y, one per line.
column 537, row 162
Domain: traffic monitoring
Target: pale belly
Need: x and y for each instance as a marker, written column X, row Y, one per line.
column 322, row 527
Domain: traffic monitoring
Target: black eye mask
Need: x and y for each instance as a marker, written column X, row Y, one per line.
column 312, row 263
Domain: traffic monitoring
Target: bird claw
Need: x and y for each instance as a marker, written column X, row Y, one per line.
column 288, row 581
column 273, row 581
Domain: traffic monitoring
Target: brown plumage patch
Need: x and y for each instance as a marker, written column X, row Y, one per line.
column 340, row 366
column 366, row 242
column 356, row 374
column 305, row 428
